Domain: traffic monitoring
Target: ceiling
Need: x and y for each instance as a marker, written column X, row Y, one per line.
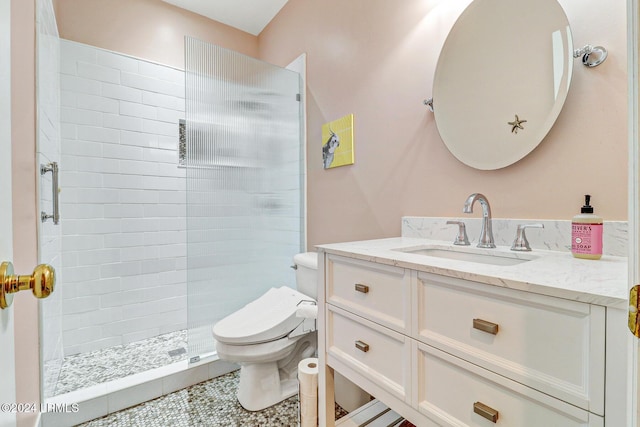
column 250, row 16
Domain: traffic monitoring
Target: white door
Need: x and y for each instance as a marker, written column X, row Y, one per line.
column 7, row 377
column 633, row 32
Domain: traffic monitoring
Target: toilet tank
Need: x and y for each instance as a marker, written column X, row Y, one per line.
column 307, row 273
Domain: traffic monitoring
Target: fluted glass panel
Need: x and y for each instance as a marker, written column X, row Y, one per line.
column 244, row 169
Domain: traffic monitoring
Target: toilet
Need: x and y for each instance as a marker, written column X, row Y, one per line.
column 269, row 337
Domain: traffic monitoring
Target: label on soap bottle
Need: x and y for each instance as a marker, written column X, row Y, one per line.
column 586, row 238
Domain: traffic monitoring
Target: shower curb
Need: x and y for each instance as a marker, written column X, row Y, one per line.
column 93, row 402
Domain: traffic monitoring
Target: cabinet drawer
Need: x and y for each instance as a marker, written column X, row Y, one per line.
column 451, row 392
column 377, row 292
column 553, row 345
column 382, row 355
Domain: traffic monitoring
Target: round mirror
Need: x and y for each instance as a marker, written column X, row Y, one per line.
column 501, row 80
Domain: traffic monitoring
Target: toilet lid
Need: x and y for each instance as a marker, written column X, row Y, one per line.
column 270, row 317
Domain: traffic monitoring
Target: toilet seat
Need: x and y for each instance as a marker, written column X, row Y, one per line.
column 270, row 317
column 270, row 351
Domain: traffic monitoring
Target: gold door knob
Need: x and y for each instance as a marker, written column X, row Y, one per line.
column 41, row 282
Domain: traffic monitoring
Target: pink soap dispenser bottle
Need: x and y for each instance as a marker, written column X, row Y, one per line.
column 586, row 233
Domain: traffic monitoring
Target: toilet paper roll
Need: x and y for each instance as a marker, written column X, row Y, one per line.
column 308, row 410
column 307, row 311
column 308, row 396
column 308, row 376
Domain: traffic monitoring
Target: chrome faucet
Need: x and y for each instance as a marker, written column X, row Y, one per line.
column 486, row 233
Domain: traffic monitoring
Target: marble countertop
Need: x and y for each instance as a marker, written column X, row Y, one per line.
column 553, row 273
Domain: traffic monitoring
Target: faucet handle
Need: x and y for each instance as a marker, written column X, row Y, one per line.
column 521, row 243
column 461, row 238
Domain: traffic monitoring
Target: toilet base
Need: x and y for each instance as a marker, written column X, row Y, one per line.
column 260, row 386
column 265, row 384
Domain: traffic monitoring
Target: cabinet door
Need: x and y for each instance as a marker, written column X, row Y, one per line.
column 553, row 345
column 377, row 292
column 452, row 392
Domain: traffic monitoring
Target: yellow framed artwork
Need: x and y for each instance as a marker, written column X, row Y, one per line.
column 337, row 146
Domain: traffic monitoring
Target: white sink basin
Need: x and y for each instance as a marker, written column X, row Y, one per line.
column 471, row 254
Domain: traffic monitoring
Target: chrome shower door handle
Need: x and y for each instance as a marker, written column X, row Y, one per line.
column 53, row 168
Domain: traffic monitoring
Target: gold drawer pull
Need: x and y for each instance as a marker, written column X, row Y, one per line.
column 362, row 288
column 362, row 346
column 484, row 326
column 485, row 411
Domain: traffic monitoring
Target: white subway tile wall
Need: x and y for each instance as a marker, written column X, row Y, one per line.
column 123, row 199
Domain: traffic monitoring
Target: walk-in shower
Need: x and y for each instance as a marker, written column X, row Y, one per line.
column 175, row 210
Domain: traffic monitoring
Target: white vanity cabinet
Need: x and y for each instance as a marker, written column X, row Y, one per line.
column 445, row 351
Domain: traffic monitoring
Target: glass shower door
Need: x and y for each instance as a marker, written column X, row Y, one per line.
column 244, row 164
column 49, row 151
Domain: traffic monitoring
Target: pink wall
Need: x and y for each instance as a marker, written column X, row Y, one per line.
column 376, row 59
column 23, row 146
column 148, row 29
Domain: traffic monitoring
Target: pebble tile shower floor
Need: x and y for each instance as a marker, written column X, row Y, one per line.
column 88, row 369
column 211, row 403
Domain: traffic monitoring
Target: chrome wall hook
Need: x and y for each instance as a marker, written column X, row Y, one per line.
column 592, row 56
column 429, row 103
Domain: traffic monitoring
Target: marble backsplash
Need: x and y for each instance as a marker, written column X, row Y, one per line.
column 555, row 236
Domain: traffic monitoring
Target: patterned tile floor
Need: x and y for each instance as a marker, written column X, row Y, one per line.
column 211, row 403
column 84, row 370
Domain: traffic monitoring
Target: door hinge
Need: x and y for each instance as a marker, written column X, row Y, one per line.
column 298, row 97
